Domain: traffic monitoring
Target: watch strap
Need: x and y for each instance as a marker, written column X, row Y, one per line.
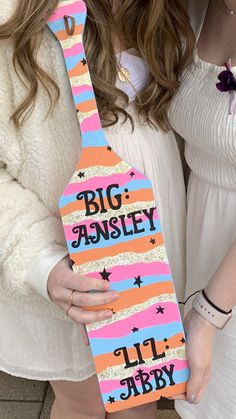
column 216, row 317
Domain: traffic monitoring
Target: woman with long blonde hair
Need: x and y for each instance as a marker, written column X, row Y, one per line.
column 39, row 148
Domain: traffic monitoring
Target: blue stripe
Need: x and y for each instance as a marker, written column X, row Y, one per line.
column 73, row 60
column 133, row 185
column 179, row 376
column 110, row 242
column 94, row 139
column 159, row 333
column 127, row 284
column 59, row 25
column 83, row 97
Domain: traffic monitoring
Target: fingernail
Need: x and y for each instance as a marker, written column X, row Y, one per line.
column 192, row 398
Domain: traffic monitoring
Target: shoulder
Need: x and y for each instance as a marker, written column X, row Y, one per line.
column 197, row 11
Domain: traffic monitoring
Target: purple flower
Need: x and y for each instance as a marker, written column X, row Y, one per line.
column 227, row 81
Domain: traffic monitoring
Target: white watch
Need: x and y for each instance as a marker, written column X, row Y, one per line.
column 219, row 318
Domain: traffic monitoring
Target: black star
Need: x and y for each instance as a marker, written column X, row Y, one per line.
column 132, row 174
column 182, row 340
column 153, row 241
column 135, row 329
column 138, row 281
column 105, row 275
column 81, row 174
column 111, row 399
column 83, row 61
column 160, row 310
column 109, row 148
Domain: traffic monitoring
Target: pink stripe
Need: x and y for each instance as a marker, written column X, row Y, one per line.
column 92, row 123
column 71, row 236
column 103, row 182
column 75, row 50
column 119, row 273
column 73, row 8
column 142, row 320
column 111, row 385
column 77, row 90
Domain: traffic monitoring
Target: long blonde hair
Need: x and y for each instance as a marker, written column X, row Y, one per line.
column 159, row 30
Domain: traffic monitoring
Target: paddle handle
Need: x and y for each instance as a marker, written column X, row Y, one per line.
column 67, row 24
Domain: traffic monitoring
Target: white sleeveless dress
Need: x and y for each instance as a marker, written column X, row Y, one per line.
column 52, row 349
column 200, row 114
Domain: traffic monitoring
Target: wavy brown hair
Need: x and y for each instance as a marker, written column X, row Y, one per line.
column 158, row 29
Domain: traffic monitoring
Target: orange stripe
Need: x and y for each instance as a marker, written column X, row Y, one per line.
column 144, row 195
column 135, row 296
column 146, row 398
column 94, row 156
column 62, row 35
column 109, row 360
column 140, row 245
column 78, row 70
column 87, row 106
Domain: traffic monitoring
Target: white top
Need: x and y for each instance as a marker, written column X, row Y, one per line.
column 138, row 71
column 200, row 114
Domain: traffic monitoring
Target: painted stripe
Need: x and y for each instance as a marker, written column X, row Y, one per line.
column 72, row 61
column 58, row 24
column 123, row 179
column 83, row 97
column 91, row 123
column 76, row 50
column 101, row 346
column 156, row 254
column 147, row 280
column 76, row 90
column 139, row 245
column 69, row 8
column 144, row 319
column 119, row 273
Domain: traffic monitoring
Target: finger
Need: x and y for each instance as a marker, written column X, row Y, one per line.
column 89, row 299
column 87, row 317
column 195, row 384
column 84, row 284
column 84, row 334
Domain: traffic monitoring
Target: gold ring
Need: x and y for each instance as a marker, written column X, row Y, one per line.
column 70, row 302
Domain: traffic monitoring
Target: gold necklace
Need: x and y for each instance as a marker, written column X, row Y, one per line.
column 123, row 73
column 231, row 11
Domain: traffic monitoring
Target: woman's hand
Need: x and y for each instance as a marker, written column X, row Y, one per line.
column 62, row 281
column 199, row 334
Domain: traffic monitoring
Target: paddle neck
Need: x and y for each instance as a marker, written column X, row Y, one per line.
column 67, row 24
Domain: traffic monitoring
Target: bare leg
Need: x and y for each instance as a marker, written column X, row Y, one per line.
column 77, row 400
column 146, row 411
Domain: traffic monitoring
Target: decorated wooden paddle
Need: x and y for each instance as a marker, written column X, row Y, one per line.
column 113, row 233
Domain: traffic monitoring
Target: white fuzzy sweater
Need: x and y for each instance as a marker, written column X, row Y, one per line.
column 36, row 162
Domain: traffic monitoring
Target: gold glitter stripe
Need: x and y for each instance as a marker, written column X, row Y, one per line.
column 101, row 171
column 158, row 254
column 119, row 372
column 70, row 42
column 124, row 314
